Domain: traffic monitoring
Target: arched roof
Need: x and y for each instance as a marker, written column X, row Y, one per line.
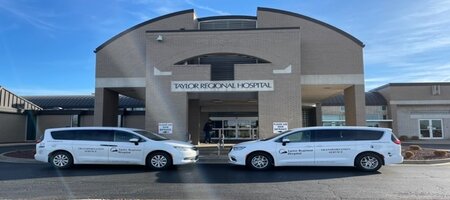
column 142, row 24
column 230, row 17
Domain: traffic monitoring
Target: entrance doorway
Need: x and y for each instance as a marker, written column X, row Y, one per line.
column 235, row 128
column 430, row 129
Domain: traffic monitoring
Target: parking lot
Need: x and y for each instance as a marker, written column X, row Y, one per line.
column 221, row 181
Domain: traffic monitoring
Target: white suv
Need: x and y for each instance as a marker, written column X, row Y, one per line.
column 63, row 147
column 363, row 147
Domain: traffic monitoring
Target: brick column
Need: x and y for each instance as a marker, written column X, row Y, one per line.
column 106, row 107
column 355, row 106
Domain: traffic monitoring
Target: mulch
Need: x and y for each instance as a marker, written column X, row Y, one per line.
column 424, row 154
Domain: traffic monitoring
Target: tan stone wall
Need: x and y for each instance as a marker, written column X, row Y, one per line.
column 12, row 127
column 134, row 121
column 51, row 121
column 408, row 118
column 125, row 56
column 86, row 120
column 324, row 51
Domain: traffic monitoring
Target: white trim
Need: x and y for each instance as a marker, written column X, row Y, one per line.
column 351, row 79
column 286, row 70
column 119, row 82
column 420, row 102
column 157, row 72
column 430, row 116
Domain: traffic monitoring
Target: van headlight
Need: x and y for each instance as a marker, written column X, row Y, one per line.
column 182, row 148
column 238, row 148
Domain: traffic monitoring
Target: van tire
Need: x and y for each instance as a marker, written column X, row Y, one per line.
column 61, row 160
column 159, row 160
column 259, row 161
column 368, row 162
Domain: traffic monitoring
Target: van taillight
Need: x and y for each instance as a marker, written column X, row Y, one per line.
column 40, row 139
column 395, row 139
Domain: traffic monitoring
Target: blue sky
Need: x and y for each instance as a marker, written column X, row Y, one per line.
column 46, row 46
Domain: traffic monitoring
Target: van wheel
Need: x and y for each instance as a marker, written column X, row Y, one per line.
column 368, row 162
column 159, row 160
column 61, row 160
column 259, row 161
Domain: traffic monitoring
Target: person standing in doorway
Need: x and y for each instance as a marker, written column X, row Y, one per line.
column 207, row 131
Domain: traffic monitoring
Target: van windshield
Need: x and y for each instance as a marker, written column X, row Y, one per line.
column 151, row 135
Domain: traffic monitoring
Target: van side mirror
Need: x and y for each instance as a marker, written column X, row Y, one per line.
column 134, row 140
column 285, row 141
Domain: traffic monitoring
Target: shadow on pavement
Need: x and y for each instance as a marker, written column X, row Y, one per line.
column 221, row 173
column 199, row 173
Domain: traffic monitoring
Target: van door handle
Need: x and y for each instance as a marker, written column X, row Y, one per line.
column 108, row 145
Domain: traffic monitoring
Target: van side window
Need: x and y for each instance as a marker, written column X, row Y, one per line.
column 63, row 135
column 95, row 135
column 369, row 135
column 346, row 135
column 327, row 135
column 121, row 136
column 301, row 136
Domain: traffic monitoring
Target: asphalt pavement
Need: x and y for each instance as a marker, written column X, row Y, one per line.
column 222, row 181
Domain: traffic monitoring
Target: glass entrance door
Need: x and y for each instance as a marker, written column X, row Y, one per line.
column 430, row 128
column 235, row 127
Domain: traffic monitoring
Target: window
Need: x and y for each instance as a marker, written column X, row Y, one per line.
column 327, row 135
column 75, row 121
column 301, row 136
column 89, row 135
column 430, row 128
column 95, row 135
column 347, row 135
column 121, row 136
column 63, row 135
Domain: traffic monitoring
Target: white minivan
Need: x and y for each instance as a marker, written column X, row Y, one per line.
column 363, row 147
column 63, row 147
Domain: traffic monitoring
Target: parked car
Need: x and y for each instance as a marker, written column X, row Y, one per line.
column 362, row 147
column 63, row 147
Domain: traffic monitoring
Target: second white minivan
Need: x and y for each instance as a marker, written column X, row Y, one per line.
column 362, row 147
column 63, row 147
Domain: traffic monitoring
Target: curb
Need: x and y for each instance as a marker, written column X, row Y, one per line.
column 427, row 162
column 8, row 159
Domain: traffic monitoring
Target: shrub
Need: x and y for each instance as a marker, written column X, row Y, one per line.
column 409, row 154
column 440, row 153
column 414, row 137
column 403, row 138
column 415, row 147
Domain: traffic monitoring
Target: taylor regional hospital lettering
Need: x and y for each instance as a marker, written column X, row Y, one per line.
column 208, row 86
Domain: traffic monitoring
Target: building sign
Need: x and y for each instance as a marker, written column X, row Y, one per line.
column 222, row 86
column 279, row 127
column 165, row 128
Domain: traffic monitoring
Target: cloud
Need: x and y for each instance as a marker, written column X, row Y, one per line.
column 219, row 12
column 31, row 19
column 413, row 45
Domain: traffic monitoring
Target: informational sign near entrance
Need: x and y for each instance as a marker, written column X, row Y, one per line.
column 165, row 128
column 222, row 86
column 279, row 127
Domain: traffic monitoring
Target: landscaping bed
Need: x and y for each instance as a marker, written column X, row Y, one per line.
column 415, row 152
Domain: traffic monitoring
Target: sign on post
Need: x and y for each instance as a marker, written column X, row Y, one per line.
column 165, row 128
column 279, row 127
